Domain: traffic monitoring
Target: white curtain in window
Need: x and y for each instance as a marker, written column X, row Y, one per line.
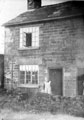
column 29, row 68
column 22, row 67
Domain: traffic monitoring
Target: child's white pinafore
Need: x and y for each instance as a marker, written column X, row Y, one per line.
column 47, row 87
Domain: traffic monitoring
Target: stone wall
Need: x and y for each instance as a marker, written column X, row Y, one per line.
column 61, row 46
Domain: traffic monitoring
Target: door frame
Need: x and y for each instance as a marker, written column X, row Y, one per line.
column 62, row 76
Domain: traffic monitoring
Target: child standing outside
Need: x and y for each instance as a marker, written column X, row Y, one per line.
column 47, row 86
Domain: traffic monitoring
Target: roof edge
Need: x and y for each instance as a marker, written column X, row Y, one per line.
column 43, row 20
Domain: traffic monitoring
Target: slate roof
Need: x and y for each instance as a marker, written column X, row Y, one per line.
column 50, row 12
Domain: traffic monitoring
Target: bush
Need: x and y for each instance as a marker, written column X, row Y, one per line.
column 42, row 102
column 58, row 104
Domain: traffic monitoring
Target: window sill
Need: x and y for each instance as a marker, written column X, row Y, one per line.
column 29, row 85
column 28, row 48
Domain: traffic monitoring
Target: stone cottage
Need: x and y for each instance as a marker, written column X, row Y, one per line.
column 46, row 41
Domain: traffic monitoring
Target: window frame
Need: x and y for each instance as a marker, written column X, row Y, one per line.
column 25, row 84
column 34, row 31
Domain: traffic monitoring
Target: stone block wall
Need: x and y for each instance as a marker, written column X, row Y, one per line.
column 61, row 45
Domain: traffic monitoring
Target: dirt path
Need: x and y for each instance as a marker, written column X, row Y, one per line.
column 10, row 115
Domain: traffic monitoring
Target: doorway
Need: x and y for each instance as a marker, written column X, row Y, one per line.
column 80, row 81
column 55, row 76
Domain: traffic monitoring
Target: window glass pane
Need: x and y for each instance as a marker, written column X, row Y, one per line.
column 28, row 39
column 24, row 29
column 22, row 77
column 36, row 33
column 28, row 77
column 37, row 43
column 33, row 36
column 37, row 29
column 20, row 31
column 30, row 29
column 24, row 39
column 35, row 77
column 33, row 44
column 29, row 74
column 33, row 29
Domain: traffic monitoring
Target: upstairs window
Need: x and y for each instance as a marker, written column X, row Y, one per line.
column 29, row 74
column 29, row 37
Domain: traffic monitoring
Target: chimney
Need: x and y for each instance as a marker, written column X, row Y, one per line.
column 33, row 4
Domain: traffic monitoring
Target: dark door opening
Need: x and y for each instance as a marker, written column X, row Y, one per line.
column 80, row 81
column 55, row 76
column 80, row 84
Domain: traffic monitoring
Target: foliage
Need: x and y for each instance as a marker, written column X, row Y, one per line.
column 41, row 102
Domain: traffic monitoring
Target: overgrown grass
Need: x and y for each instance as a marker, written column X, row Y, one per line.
column 41, row 102
column 59, row 104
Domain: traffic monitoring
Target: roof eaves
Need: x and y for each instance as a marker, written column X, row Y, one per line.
column 42, row 20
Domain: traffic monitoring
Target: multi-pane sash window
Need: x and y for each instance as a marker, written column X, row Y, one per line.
column 29, row 37
column 29, row 74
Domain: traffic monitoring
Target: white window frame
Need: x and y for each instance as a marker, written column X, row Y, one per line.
column 35, row 36
column 31, row 68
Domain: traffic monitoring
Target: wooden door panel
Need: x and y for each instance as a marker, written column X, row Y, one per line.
column 55, row 75
column 80, row 84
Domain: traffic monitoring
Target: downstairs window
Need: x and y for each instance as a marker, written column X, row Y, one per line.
column 29, row 74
